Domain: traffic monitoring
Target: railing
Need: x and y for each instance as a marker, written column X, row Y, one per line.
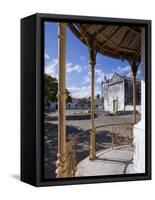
column 71, row 157
column 121, row 134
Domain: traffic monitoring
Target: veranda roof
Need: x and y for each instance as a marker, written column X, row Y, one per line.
column 117, row 41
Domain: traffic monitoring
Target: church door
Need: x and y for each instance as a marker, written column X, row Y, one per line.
column 115, row 105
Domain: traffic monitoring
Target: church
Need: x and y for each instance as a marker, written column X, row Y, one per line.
column 117, row 94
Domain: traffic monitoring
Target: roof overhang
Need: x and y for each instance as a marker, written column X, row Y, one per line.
column 117, row 41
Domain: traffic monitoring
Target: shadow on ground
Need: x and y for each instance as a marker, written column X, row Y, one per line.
column 16, row 176
column 103, row 141
column 70, row 117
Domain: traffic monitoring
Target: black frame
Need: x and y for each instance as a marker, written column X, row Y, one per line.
column 32, row 106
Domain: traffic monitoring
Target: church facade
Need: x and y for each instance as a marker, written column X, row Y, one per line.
column 117, row 94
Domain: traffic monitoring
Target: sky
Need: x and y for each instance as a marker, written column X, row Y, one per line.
column 77, row 63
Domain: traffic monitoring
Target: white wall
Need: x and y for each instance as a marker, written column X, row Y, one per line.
column 10, row 13
column 139, row 128
column 116, row 92
column 129, row 107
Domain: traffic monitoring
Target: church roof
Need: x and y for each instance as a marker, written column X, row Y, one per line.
column 117, row 77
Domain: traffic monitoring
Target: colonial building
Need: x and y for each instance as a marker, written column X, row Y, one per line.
column 77, row 104
column 117, row 94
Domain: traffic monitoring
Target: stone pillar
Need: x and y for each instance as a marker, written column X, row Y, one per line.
column 139, row 128
column 92, row 54
column 61, row 162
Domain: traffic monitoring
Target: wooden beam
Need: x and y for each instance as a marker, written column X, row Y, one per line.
column 123, row 39
column 106, row 39
column 82, row 35
column 100, row 31
column 87, row 26
column 87, row 37
column 137, row 53
column 76, row 32
column 117, row 29
column 116, row 46
column 133, row 30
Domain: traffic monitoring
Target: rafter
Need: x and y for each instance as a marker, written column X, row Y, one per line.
column 112, row 35
column 108, row 40
column 113, row 51
column 123, row 39
column 137, row 53
column 119, row 48
column 111, row 42
column 133, row 30
column 100, row 31
column 87, row 26
column 98, row 45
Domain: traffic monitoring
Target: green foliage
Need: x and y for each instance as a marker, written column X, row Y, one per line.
column 51, row 90
column 98, row 96
column 69, row 97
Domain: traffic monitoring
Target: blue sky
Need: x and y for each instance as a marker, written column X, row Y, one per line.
column 77, row 63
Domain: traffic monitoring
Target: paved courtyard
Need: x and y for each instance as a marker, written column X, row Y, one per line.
column 77, row 123
column 108, row 162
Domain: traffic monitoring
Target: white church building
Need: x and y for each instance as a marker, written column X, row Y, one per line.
column 117, row 94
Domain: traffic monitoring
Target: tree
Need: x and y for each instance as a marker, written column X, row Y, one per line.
column 98, row 96
column 69, row 97
column 51, row 90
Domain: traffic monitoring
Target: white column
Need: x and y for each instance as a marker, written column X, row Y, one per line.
column 139, row 128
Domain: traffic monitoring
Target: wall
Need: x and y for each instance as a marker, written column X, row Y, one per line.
column 129, row 107
column 10, row 14
column 113, row 91
column 116, row 93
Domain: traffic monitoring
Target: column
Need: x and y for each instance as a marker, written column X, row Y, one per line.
column 134, row 97
column 134, row 67
column 61, row 162
column 92, row 55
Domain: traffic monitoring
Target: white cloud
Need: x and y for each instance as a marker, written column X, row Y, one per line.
column 79, row 92
column 87, row 79
column 83, row 92
column 47, row 56
column 87, row 67
column 100, row 75
column 124, row 70
column 69, row 65
column 71, row 68
column 130, row 73
column 52, row 68
column 139, row 72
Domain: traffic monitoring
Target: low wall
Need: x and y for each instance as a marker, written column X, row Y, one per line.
column 130, row 108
